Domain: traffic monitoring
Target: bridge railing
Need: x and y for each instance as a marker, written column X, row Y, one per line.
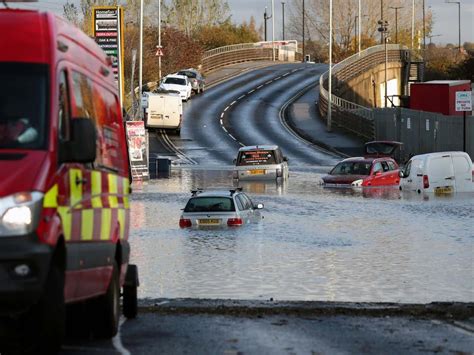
column 349, row 115
column 244, row 52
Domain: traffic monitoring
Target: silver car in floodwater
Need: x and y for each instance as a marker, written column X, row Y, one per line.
column 261, row 162
column 219, row 208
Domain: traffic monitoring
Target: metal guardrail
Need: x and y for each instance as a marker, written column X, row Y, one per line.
column 244, row 52
column 349, row 115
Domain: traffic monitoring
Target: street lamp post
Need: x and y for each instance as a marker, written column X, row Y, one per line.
column 159, row 40
column 396, row 20
column 383, row 29
column 459, row 20
column 431, row 36
column 283, row 19
column 140, row 65
column 265, row 18
column 329, row 114
column 381, row 18
column 273, row 30
column 303, row 32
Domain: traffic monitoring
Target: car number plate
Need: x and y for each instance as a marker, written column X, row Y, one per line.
column 257, row 172
column 441, row 190
column 209, row 221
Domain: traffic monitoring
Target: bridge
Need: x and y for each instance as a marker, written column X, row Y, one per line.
column 358, row 97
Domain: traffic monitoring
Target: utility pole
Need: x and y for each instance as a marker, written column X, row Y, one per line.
column 424, row 33
column 140, row 65
column 303, row 31
column 358, row 41
column 383, row 29
column 283, row 19
column 381, row 18
column 329, row 114
column 265, row 18
column 273, row 30
column 431, row 36
column 459, row 20
column 159, row 40
column 413, row 24
column 396, row 20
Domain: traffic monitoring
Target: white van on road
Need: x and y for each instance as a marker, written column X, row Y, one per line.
column 164, row 110
column 440, row 173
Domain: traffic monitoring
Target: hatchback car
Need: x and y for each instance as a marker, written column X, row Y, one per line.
column 219, row 208
column 178, row 83
column 261, row 162
column 364, row 172
column 197, row 81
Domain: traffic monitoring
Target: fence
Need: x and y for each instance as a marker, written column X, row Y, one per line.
column 245, row 52
column 424, row 132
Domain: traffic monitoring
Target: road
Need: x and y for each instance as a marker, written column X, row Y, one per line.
column 314, row 244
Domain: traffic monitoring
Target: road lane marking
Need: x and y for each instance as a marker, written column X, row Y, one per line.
column 251, row 91
column 175, row 149
column 222, row 115
column 241, row 97
column 225, row 129
column 117, row 340
column 277, row 78
column 233, row 102
column 221, row 121
column 231, row 136
column 226, row 108
column 269, row 82
column 259, row 87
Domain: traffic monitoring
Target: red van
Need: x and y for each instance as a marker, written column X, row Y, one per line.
column 64, row 184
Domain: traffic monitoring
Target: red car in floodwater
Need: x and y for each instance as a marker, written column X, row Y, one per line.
column 364, row 171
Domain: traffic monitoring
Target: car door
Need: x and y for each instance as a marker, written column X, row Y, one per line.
column 246, row 213
column 376, row 175
column 462, row 172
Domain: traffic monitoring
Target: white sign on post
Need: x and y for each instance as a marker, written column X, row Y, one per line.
column 463, row 100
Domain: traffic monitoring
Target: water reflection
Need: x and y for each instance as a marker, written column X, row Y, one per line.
column 373, row 244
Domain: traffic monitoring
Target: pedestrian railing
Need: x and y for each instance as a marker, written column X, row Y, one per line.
column 245, row 52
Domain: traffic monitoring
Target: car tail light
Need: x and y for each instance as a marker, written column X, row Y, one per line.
column 234, row 222
column 426, row 182
column 279, row 173
column 473, row 176
column 185, row 223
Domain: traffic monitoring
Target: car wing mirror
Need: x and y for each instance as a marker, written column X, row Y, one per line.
column 285, row 158
column 401, row 174
column 259, row 206
column 234, row 161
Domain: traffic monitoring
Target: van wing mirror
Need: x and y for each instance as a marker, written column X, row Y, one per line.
column 285, row 158
column 82, row 147
column 401, row 173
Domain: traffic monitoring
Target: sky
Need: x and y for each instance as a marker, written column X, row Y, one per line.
column 445, row 15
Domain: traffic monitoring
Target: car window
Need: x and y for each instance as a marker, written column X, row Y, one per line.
column 351, row 168
column 246, row 203
column 256, row 157
column 239, row 203
column 176, row 81
column 407, row 169
column 377, row 167
column 210, row 204
column 385, row 166
column 391, row 165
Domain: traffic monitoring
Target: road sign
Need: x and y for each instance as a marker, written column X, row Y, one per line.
column 463, row 100
column 159, row 51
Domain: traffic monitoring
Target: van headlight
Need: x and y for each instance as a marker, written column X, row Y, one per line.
column 357, row 183
column 20, row 213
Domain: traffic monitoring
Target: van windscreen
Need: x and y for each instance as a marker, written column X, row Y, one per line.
column 257, row 157
column 23, row 105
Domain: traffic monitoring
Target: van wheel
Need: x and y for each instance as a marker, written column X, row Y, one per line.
column 45, row 323
column 130, row 308
column 106, row 309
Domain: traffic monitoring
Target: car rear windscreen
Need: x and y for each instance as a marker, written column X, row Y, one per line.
column 210, row 204
column 177, row 81
column 257, row 157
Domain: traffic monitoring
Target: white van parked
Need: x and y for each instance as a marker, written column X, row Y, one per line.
column 164, row 110
column 440, row 173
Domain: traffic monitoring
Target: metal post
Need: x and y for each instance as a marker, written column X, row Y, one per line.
column 132, row 89
column 159, row 40
column 265, row 18
column 273, row 30
column 386, row 60
column 119, row 55
column 329, row 114
column 140, row 65
column 283, row 19
column 303, row 32
column 413, row 24
column 355, row 32
column 459, row 22
column 424, row 33
column 360, row 18
column 381, row 18
column 396, row 20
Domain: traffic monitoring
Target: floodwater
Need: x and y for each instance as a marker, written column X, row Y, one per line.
column 376, row 245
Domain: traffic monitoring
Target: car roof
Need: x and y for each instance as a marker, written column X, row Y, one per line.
column 258, row 147
column 365, row 159
column 214, row 193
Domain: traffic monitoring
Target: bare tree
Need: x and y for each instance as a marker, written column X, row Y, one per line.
column 71, row 13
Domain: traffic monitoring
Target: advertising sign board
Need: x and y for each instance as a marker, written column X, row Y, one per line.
column 137, row 149
column 107, row 30
column 464, row 101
